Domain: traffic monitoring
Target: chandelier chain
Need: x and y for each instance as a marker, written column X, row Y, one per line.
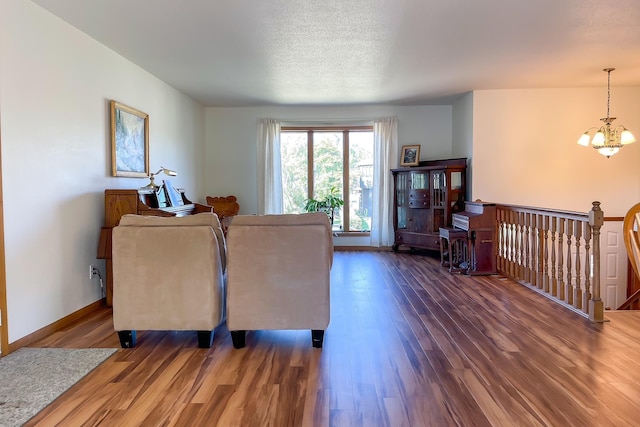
column 608, row 89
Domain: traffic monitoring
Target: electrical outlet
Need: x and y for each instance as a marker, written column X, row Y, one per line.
column 93, row 270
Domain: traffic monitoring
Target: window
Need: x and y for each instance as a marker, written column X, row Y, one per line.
column 316, row 161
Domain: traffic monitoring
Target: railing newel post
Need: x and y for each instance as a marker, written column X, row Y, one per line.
column 596, row 305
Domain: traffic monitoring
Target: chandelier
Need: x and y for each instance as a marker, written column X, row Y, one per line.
column 607, row 140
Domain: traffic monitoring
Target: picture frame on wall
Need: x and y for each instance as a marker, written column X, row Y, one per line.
column 410, row 155
column 129, row 141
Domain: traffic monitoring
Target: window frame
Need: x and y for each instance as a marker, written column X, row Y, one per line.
column 345, row 161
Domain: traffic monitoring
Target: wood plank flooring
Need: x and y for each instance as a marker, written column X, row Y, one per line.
column 409, row 344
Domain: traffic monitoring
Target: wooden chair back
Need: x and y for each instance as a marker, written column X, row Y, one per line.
column 224, row 206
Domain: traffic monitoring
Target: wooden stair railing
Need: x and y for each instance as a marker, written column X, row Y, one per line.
column 628, row 304
column 631, row 233
column 556, row 253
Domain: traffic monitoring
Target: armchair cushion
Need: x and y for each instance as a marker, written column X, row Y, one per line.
column 203, row 218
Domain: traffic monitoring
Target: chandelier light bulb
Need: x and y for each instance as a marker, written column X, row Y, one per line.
column 584, row 139
column 598, row 139
column 626, row 137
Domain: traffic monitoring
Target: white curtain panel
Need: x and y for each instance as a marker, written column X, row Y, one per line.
column 269, row 168
column 385, row 157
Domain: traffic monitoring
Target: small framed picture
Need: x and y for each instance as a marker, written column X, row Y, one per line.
column 129, row 141
column 410, row 155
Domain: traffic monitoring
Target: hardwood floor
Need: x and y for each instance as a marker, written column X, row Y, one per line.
column 409, row 344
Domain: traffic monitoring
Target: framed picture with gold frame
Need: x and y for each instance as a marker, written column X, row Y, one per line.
column 129, row 141
column 410, row 155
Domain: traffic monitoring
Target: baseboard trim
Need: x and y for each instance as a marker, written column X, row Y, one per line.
column 362, row 248
column 54, row 327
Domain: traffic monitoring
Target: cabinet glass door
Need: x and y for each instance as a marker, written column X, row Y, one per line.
column 456, row 180
column 439, row 179
column 401, row 199
column 419, row 181
column 456, row 192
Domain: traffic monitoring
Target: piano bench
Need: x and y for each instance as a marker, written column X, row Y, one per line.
column 453, row 243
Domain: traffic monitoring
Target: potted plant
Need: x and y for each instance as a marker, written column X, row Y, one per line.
column 327, row 204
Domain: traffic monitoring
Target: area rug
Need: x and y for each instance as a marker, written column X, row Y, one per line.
column 31, row 378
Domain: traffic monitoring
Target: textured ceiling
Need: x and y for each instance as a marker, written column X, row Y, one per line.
column 342, row 52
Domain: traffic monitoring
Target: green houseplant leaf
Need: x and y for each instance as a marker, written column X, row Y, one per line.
column 327, row 204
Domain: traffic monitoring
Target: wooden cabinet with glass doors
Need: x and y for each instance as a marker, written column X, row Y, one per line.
column 425, row 196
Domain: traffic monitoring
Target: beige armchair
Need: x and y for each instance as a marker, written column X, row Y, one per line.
column 168, row 274
column 278, row 274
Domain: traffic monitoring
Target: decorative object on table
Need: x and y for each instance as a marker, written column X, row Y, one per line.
column 410, row 155
column 152, row 185
column 606, row 140
column 327, row 204
column 129, row 141
column 173, row 197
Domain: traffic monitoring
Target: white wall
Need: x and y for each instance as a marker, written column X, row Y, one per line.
column 55, row 84
column 462, row 135
column 231, row 151
column 525, row 150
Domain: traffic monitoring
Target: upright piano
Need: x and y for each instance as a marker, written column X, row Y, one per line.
column 479, row 221
column 140, row 202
